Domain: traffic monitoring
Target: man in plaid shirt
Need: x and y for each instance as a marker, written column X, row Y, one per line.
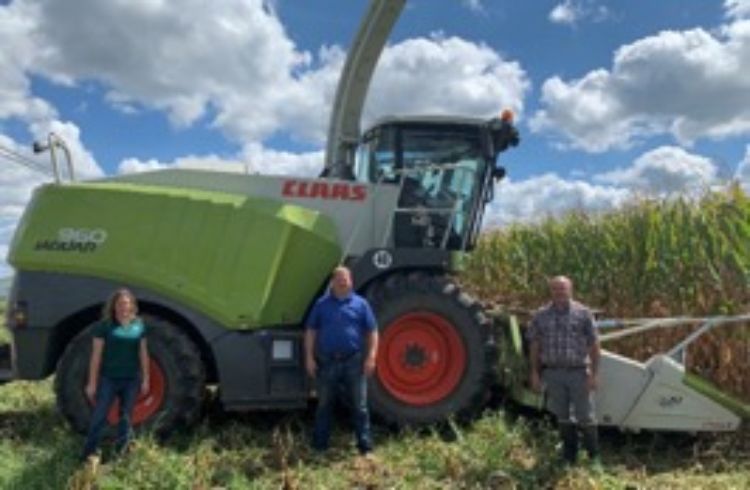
column 564, row 352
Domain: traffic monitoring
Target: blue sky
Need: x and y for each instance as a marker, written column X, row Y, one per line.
column 521, row 31
column 615, row 99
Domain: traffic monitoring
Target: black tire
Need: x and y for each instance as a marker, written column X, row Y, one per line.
column 181, row 365
column 432, row 295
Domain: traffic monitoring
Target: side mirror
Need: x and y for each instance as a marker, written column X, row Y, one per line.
column 505, row 137
column 498, row 173
column 39, row 147
column 504, row 134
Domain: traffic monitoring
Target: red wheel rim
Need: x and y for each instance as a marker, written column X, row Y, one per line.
column 146, row 405
column 421, row 359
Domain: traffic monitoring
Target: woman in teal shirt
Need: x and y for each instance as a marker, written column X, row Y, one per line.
column 118, row 368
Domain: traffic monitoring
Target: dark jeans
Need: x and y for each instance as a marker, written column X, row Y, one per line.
column 345, row 376
column 126, row 390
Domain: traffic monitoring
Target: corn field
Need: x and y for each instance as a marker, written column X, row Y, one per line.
column 651, row 259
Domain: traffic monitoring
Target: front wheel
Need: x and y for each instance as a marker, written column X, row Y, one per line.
column 177, row 381
column 435, row 353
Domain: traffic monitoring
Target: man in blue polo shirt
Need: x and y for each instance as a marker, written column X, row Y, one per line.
column 341, row 344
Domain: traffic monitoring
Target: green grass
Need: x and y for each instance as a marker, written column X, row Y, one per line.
column 38, row 451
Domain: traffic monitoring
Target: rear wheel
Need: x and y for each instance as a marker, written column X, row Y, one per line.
column 435, row 352
column 177, row 381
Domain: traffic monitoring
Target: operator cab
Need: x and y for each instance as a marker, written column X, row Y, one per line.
column 445, row 168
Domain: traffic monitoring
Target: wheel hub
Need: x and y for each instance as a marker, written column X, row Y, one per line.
column 415, row 356
column 422, row 358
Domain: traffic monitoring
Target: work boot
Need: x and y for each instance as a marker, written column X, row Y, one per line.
column 591, row 444
column 569, row 436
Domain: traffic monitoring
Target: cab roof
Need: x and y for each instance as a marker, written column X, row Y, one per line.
column 428, row 119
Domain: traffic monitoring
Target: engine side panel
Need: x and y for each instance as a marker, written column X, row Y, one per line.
column 245, row 262
column 360, row 212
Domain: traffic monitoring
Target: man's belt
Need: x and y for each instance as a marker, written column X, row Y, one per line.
column 564, row 366
column 339, row 356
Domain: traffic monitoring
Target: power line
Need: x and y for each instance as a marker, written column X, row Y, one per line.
column 24, row 161
column 16, row 154
column 9, row 153
column 26, row 165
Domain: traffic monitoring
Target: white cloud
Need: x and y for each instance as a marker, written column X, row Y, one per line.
column 743, row 171
column 16, row 181
column 435, row 75
column 232, row 64
column 268, row 161
column 18, row 53
column 549, row 195
column 737, row 9
column 300, row 106
column 184, row 60
column 571, row 12
column 205, row 162
column 254, row 158
column 665, row 170
column 135, row 165
column 564, row 13
column 662, row 172
column 6, row 233
column 445, row 76
column 474, row 5
column 691, row 84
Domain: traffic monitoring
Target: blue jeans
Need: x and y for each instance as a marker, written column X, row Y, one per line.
column 126, row 390
column 345, row 376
